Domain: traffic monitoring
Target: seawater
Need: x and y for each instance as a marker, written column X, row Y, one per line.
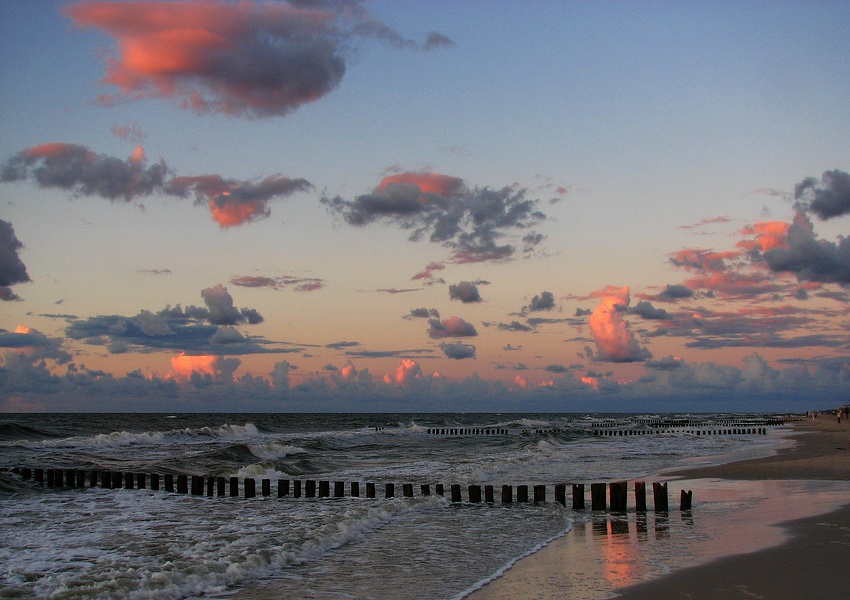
column 98, row 543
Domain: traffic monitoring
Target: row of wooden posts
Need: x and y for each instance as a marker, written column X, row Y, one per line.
column 600, row 493
column 604, row 431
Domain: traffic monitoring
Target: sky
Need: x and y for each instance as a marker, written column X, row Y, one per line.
column 344, row 205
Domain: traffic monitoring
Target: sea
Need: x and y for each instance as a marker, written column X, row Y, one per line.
column 93, row 542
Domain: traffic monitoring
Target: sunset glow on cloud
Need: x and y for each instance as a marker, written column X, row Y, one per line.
column 218, row 205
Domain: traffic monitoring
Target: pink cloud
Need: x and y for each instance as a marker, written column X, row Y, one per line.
column 614, row 340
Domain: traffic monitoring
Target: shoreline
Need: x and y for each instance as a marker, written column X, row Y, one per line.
column 786, row 534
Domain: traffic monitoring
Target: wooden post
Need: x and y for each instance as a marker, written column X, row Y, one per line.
column 578, row 496
column 250, row 485
column 128, row 481
column 141, row 481
column 597, row 496
column 210, row 486
column 561, row 494
column 455, row 492
column 640, row 496
column 81, row 479
column 339, row 489
column 539, row 493
column 355, row 489
column 234, row 487
column 488, row 494
column 169, row 482
column 155, row 481
column 659, row 495
column 619, row 493
column 296, row 488
column 389, row 491
column 182, row 484
column 51, row 478
column 522, row 493
column 439, row 489
column 221, row 486
column 93, row 479
column 370, row 490
column 507, row 494
column 324, row 489
column 474, row 493
column 267, row 487
column 686, row 499
column 407, row 490
column 282, row 488
column 117, row 480
column 71, row 478
column 425, row 489
column 310, row 488
column 197, row 485
column 39, row 476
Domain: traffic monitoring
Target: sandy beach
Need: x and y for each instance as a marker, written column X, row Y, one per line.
column 774, row 527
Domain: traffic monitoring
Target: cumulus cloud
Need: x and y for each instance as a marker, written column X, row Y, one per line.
column 615, row 342
column 248, row 59
column 645, row 310
column 458, row 350
column 12, row 268
column 465, row 291
column 80, row 170
column 422, row 313
column 405, row 374
column 453, row 327
column 827, row 198
column 472, row 222
column 810, row 258
column 545, row 301
column 299, row 284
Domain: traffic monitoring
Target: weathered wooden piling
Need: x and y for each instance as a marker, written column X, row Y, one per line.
column 249, row 486
column 117, row 480
column 507, row 494
column 296, row 488
column 282, row 488
column 355, row 489
column 324, row 489
column 155, row 481
column 540, row 493
column 182, row 484
column 407, row 490
column 522, row 493
column 141, row 481
column 128, row 481
column 618, row 492
column 339, row 489
column 197, row 485
column 578, row 496
column 71, row 477
column 659, row 496
column 640, row 496
column 488, row 494
column 169, row 482
column 389, row 490
column 234, row 487
column 439, row 489
column 93, row 479
column 310, row 488
column 455, row 492
column 267, row 487
column 686, row 500
column 561, row 493
column 51, row 478
column 474, row 492
column 597, row 496
column 210, row 486
column 220, row 486
column 370, row 490
column 425, row 489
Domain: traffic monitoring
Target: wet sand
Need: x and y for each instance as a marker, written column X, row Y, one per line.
column 775, row 527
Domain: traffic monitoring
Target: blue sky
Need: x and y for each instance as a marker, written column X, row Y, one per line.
column 489, row 205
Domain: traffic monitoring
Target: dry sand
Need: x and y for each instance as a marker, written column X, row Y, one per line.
column 788, row 535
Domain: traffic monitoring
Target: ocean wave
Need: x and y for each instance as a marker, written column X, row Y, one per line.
column 274, row 451
column 15, row 431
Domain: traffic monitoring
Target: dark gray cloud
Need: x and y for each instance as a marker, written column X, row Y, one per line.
column 299, row 284
column 465, row 291
column 545, row 301
column 472, row 222
column 223, row 312
column 37, row 345
column 809, row 258
column 78, row 169
column 535, row 321
column 828, row 198
column 341, row 345
column 12, row 268
column 512, row 326
column 645, row 310
column 245, row 59
column 453, row 327
column 458, row 351
column 423, row 313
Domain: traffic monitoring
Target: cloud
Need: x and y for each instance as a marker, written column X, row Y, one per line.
column 422, row 313
column 299, row 284
column 457, row 350
column 512, row 326
column 436, row 40
column 809, row 258
column 79, row 169
column 645, row 310
column 232, row 202
column 12, row 268
column 221, row 309
column 465, row 291
column 545, row 301
column 471, row 222
column 453, row 327
column 828, row 198
column 247, row 59
column 428, row 272
column 406, row 373
column 131, row 133
column 615, row 342
column 34, row 345
column 341, row 345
